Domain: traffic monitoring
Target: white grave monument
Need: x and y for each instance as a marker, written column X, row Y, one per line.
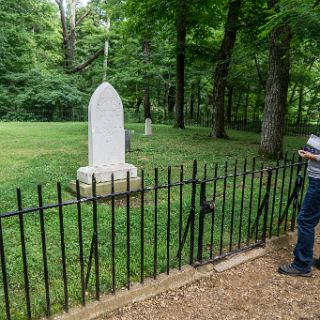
column 147, row 127
column 106, row 144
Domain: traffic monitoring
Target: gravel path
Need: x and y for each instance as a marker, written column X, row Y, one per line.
column 251, row 291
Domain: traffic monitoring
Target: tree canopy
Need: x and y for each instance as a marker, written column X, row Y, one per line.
column 163, row 57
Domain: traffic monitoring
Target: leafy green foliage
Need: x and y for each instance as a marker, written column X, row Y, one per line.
column 39, row 96
column 35, row 85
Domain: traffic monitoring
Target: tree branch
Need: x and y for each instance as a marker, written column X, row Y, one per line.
column 63, row 21
column 83, row 65
column 79, row 21
column 306, row 92
column 293, row 93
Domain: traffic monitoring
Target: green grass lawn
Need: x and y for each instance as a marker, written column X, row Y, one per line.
column 44, row 153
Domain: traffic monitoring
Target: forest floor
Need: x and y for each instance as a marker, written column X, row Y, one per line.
column 253, row 290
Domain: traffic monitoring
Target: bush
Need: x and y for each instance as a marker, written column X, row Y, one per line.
column 40, row 96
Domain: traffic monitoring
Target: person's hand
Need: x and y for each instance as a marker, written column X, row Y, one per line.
column 305, row 154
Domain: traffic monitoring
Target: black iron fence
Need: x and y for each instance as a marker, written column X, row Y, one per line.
column 54, row 256
column 290, row 128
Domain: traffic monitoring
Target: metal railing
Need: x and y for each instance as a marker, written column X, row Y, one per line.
column 98, row 244
column 290, row 128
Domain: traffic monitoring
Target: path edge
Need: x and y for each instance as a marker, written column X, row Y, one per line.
column 175, row 280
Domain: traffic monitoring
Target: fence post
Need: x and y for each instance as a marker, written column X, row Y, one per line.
column 63, row 249
column 266, row 208
column 201, row 220
column 24, row 256
column 191, row 217
column 95, row 236
column 4, row 273
column 193, row 211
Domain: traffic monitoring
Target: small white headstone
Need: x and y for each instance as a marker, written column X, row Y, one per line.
column 148, row 127
column 106, row 138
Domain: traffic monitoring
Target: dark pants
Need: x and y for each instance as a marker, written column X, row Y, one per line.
column 307, row 220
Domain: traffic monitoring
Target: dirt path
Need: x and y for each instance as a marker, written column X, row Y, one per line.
column 251, row 291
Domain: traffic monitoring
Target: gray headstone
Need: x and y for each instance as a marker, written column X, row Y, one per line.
column 128, row 140
column 147, row 127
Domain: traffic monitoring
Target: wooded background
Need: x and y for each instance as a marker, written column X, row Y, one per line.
column 174, row 61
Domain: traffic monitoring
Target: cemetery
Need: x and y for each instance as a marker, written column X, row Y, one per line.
column 159, row 159
column 154, row 228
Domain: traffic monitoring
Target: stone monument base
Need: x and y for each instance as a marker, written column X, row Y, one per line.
column 105, row 187
column 104, row 173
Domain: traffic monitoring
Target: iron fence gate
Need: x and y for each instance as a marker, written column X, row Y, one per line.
column 58, row 255
column 256, row 230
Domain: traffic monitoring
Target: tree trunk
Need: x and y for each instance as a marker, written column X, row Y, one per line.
column 222, row 69
column 171, row 99
column 229, row 107
column 300, row 105
column 245, row 119
column 198, row 100
column 192, row 99
column 61, row 6
column 238, row 106
column 165, row 102
column 276, row 91
column 256, row 108
column 207, row 111
column 146, row 98
column 72, row 34
column 71, row 50
column 67, row 112
column 181, row 29
column 293, row 92
column 262, row 81
column 158, row 96
column 106, row 50
column 137, row 108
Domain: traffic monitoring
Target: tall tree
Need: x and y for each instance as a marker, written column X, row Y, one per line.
column 32, row 84
column 272, row 133
column 141, row 20
column 181, row 29
column 146, row 99
column 69, row 23
column 222, row 69
column 106, row 48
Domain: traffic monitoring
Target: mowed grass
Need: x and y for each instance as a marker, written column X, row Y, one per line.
column 44, row 153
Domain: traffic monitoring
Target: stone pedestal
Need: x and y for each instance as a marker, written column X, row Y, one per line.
column 105, row 187
column 104, row 173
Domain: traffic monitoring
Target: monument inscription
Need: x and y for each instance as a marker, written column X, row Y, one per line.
column 106, row 138
column 106, row 127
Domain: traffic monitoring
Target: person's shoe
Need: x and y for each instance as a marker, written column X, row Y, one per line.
column 316, row 263
column 290, row 270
